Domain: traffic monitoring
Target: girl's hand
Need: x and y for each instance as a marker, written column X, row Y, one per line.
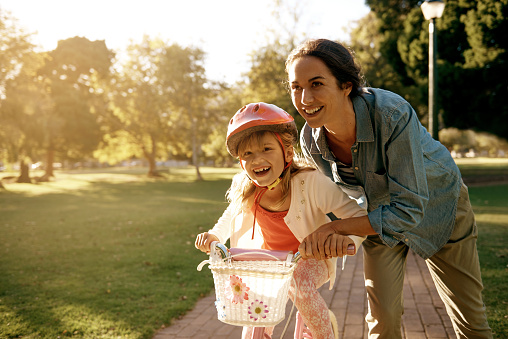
column 204, row 240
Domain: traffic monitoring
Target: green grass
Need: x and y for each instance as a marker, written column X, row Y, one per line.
column 104, row 255
column 483, row 167
column 490, row 204
column 99, row 254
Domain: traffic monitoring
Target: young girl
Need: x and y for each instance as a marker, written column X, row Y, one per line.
column 276, row 201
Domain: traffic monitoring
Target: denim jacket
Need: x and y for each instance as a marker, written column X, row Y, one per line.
column 410, row 180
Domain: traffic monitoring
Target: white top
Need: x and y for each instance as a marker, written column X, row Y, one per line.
column 313, row 195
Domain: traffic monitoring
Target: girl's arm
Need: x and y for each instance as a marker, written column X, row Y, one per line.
column 220, row 232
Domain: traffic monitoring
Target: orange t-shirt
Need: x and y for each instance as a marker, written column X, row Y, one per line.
column 276, row 233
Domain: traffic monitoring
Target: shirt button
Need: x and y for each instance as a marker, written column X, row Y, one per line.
column 406, row 240
column 302, row 182
column 356, row 168
column 354, row 151
column 298, row 217
column 303, row 201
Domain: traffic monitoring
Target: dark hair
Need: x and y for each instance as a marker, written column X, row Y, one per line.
column 338, row 58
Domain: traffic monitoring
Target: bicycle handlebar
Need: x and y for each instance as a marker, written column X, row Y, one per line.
column 223, row 250
column 224, row 253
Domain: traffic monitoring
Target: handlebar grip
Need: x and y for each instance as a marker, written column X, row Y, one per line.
column 297, row 257
column 217, row 246
column 352, row 247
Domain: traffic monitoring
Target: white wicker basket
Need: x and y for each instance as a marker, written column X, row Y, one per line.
column 251, row 293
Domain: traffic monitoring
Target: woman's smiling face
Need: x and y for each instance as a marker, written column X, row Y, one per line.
column 315, row 92
column 262, row 158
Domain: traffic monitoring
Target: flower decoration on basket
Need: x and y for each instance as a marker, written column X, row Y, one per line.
column 257, row 309
column 236, row 291
column 221, row 309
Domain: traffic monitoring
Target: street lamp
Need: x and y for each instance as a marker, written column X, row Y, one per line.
column 432, row 9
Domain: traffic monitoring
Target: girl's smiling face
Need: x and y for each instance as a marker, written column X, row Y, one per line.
column 315, row 92
column 262, row 157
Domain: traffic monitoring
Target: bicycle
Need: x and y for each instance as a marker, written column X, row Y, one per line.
column 252, row 286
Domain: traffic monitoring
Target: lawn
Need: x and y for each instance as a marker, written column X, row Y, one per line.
column 104, row 255
column 110, row 254
column 490, row 204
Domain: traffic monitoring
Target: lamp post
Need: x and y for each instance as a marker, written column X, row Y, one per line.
column 432, row 9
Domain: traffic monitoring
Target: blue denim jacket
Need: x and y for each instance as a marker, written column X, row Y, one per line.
column 410, row 180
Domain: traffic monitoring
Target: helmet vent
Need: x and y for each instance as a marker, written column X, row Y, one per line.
column 256, row 108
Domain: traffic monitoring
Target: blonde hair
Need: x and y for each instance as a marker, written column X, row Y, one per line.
column 242, row 188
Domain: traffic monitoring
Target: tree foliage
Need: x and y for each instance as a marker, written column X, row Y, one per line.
column 366, row 45
column 159, row 101
column 15, row 44
column 24, row 112
column 72, row 129
column 472, row 49
column 267, row 78
column 19, row 123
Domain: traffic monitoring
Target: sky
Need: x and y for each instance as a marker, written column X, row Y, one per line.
column 228, row 31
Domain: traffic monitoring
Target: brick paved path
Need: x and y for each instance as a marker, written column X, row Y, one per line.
column 424, row 315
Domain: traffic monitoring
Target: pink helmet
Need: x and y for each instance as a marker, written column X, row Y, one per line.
column 258, row 117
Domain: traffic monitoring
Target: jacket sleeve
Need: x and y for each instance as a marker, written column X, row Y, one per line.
column 223, row 228
column 405, row 175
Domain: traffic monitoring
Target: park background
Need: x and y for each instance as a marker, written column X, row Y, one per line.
column 113, row 159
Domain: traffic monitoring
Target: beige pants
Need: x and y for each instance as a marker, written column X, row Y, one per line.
column 455, row 270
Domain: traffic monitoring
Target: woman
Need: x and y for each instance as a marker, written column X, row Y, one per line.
column 371, row 142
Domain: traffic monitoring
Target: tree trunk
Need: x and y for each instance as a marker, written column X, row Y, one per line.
column 50, row 158
column 152, row 166
column 24, row 173
column 195, row 159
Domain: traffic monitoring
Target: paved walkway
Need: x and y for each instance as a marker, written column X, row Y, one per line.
column 424, row 317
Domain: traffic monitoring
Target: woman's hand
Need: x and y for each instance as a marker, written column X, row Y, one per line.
column 334, row 245
column 328, row 240
column 204, row 240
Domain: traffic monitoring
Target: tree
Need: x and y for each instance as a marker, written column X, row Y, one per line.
column 225, row 102
column 472, row 50
column 23, row 113
column 140, row 121
column 183, row 75
column 366, row 44
column 159, row 98
column 14, row 45
column 17, row 60
column 267, row 78
column 72, row 129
